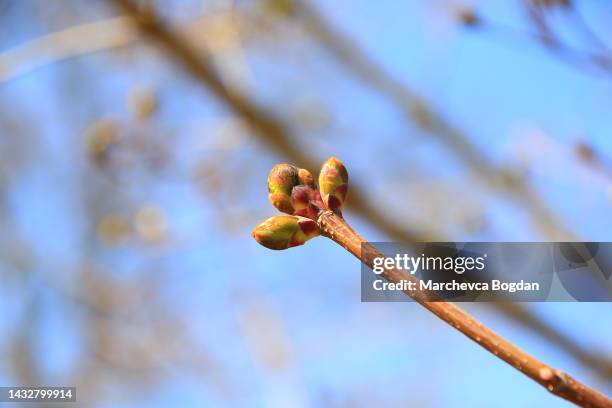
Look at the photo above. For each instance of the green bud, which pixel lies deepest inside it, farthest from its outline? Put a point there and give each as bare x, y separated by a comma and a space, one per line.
281, 180
285, 231
333, 183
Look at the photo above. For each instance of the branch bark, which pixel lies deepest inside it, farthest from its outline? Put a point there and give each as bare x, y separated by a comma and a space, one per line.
557, 382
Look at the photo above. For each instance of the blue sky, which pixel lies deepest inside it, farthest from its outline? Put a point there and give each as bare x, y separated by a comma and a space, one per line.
509, 96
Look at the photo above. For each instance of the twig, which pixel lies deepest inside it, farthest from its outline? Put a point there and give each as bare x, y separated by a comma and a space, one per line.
557, 382
315, 209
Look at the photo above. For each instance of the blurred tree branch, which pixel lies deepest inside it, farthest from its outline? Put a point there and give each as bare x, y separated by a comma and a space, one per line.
89, 38
68, 43
548, 37
598, 60
270, 129
356, 61
275, 133
118, 32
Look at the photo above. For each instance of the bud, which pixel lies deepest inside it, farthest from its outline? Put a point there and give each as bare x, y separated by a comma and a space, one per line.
281, 180
333, 183
285, 231
302, 197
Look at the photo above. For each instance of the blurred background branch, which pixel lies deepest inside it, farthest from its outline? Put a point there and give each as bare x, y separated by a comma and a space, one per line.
433, 123
594, 60
267, 127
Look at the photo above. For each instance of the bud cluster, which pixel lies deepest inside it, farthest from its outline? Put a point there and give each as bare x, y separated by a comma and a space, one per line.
293, 191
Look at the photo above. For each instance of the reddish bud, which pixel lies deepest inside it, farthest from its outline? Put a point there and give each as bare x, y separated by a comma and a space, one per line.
281, 180
302, 198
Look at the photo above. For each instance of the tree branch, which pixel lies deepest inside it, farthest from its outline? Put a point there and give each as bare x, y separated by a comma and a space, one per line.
557, 382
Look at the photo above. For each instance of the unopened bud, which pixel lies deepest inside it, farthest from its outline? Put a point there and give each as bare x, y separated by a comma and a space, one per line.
285, 231
333, 183
302, 198
281, 180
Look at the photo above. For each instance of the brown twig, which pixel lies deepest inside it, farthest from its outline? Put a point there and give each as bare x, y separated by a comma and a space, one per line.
557, 382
